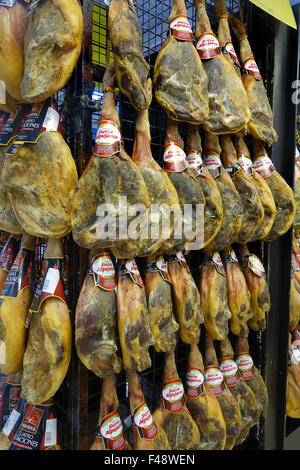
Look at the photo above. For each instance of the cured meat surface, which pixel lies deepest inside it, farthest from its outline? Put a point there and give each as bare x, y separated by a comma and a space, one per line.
130, 66
214, 296
228, 103
109, 176
12, 26
51, 48
229, 406
240, 390
213, 210
48, 352
147, 435
258, 288
188, 189
231, 201
251, 374
261, 120
263, 189
15, 301
41, 179
162, 194
294, 304
252, 208
159, 296
239, 299
203, 404
8, 220
181, 429
96, 319
179, 80
186, 300
108, 415
133, 318
282, 193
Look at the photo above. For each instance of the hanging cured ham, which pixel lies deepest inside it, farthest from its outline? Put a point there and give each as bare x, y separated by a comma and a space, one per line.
229, 406
203, 404
179, 80
162, 194
214, 296
48, 352
255, 275
240, 390
282, 193
110, 176
261, 120
15, 300
239, 299
172, 414
188, 189
186, 299
251, 374
147, 434
263, 189
213, 210
13, 24
40, 174
10, 406
158, 287
133, 317
109, 432
252, 208
52, 47
231, 201
228, 103
96, 317
294, 318
296, 257
130, 66
293, 377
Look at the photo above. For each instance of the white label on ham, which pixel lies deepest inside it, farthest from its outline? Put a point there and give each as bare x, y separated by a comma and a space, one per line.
295, 262
218, 263
229, 370
230, 49
181, 258
181, 28
263, 165
215, 379
233, 256
175, 158
163, 268
173, 393
111, 430
213, 163
104, 271
208, 46
256, 265
2, 92
10, 423
107, 139
245, 162
251, 68
245, 364
51, 432
51, 120
144, 421
194, 382
195, 162
132, 268
51, 281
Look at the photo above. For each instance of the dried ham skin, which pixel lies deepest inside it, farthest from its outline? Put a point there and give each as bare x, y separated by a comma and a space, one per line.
52, 47
130, 66
8, 220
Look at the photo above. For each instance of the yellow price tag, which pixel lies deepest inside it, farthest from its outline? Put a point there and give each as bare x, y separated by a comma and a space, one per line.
280, 9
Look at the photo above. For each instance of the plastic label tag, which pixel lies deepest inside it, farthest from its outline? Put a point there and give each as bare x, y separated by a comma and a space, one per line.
245, 162
245, 365
194, 382
8, 253
215, 379
143, 420
103, 271
110, 430
132, 269
263, 165
250, 66
181, 28
233, 170
208, 46
213, 163
216, 258
108, 139
256, 265
175, 158
173, 396
13, 123
230, 371
195, 162
231, 51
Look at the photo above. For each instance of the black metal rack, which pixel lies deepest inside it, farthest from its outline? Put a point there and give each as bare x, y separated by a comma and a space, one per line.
276, 50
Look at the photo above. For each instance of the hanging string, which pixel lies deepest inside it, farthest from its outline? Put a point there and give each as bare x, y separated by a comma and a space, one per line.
241, 12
